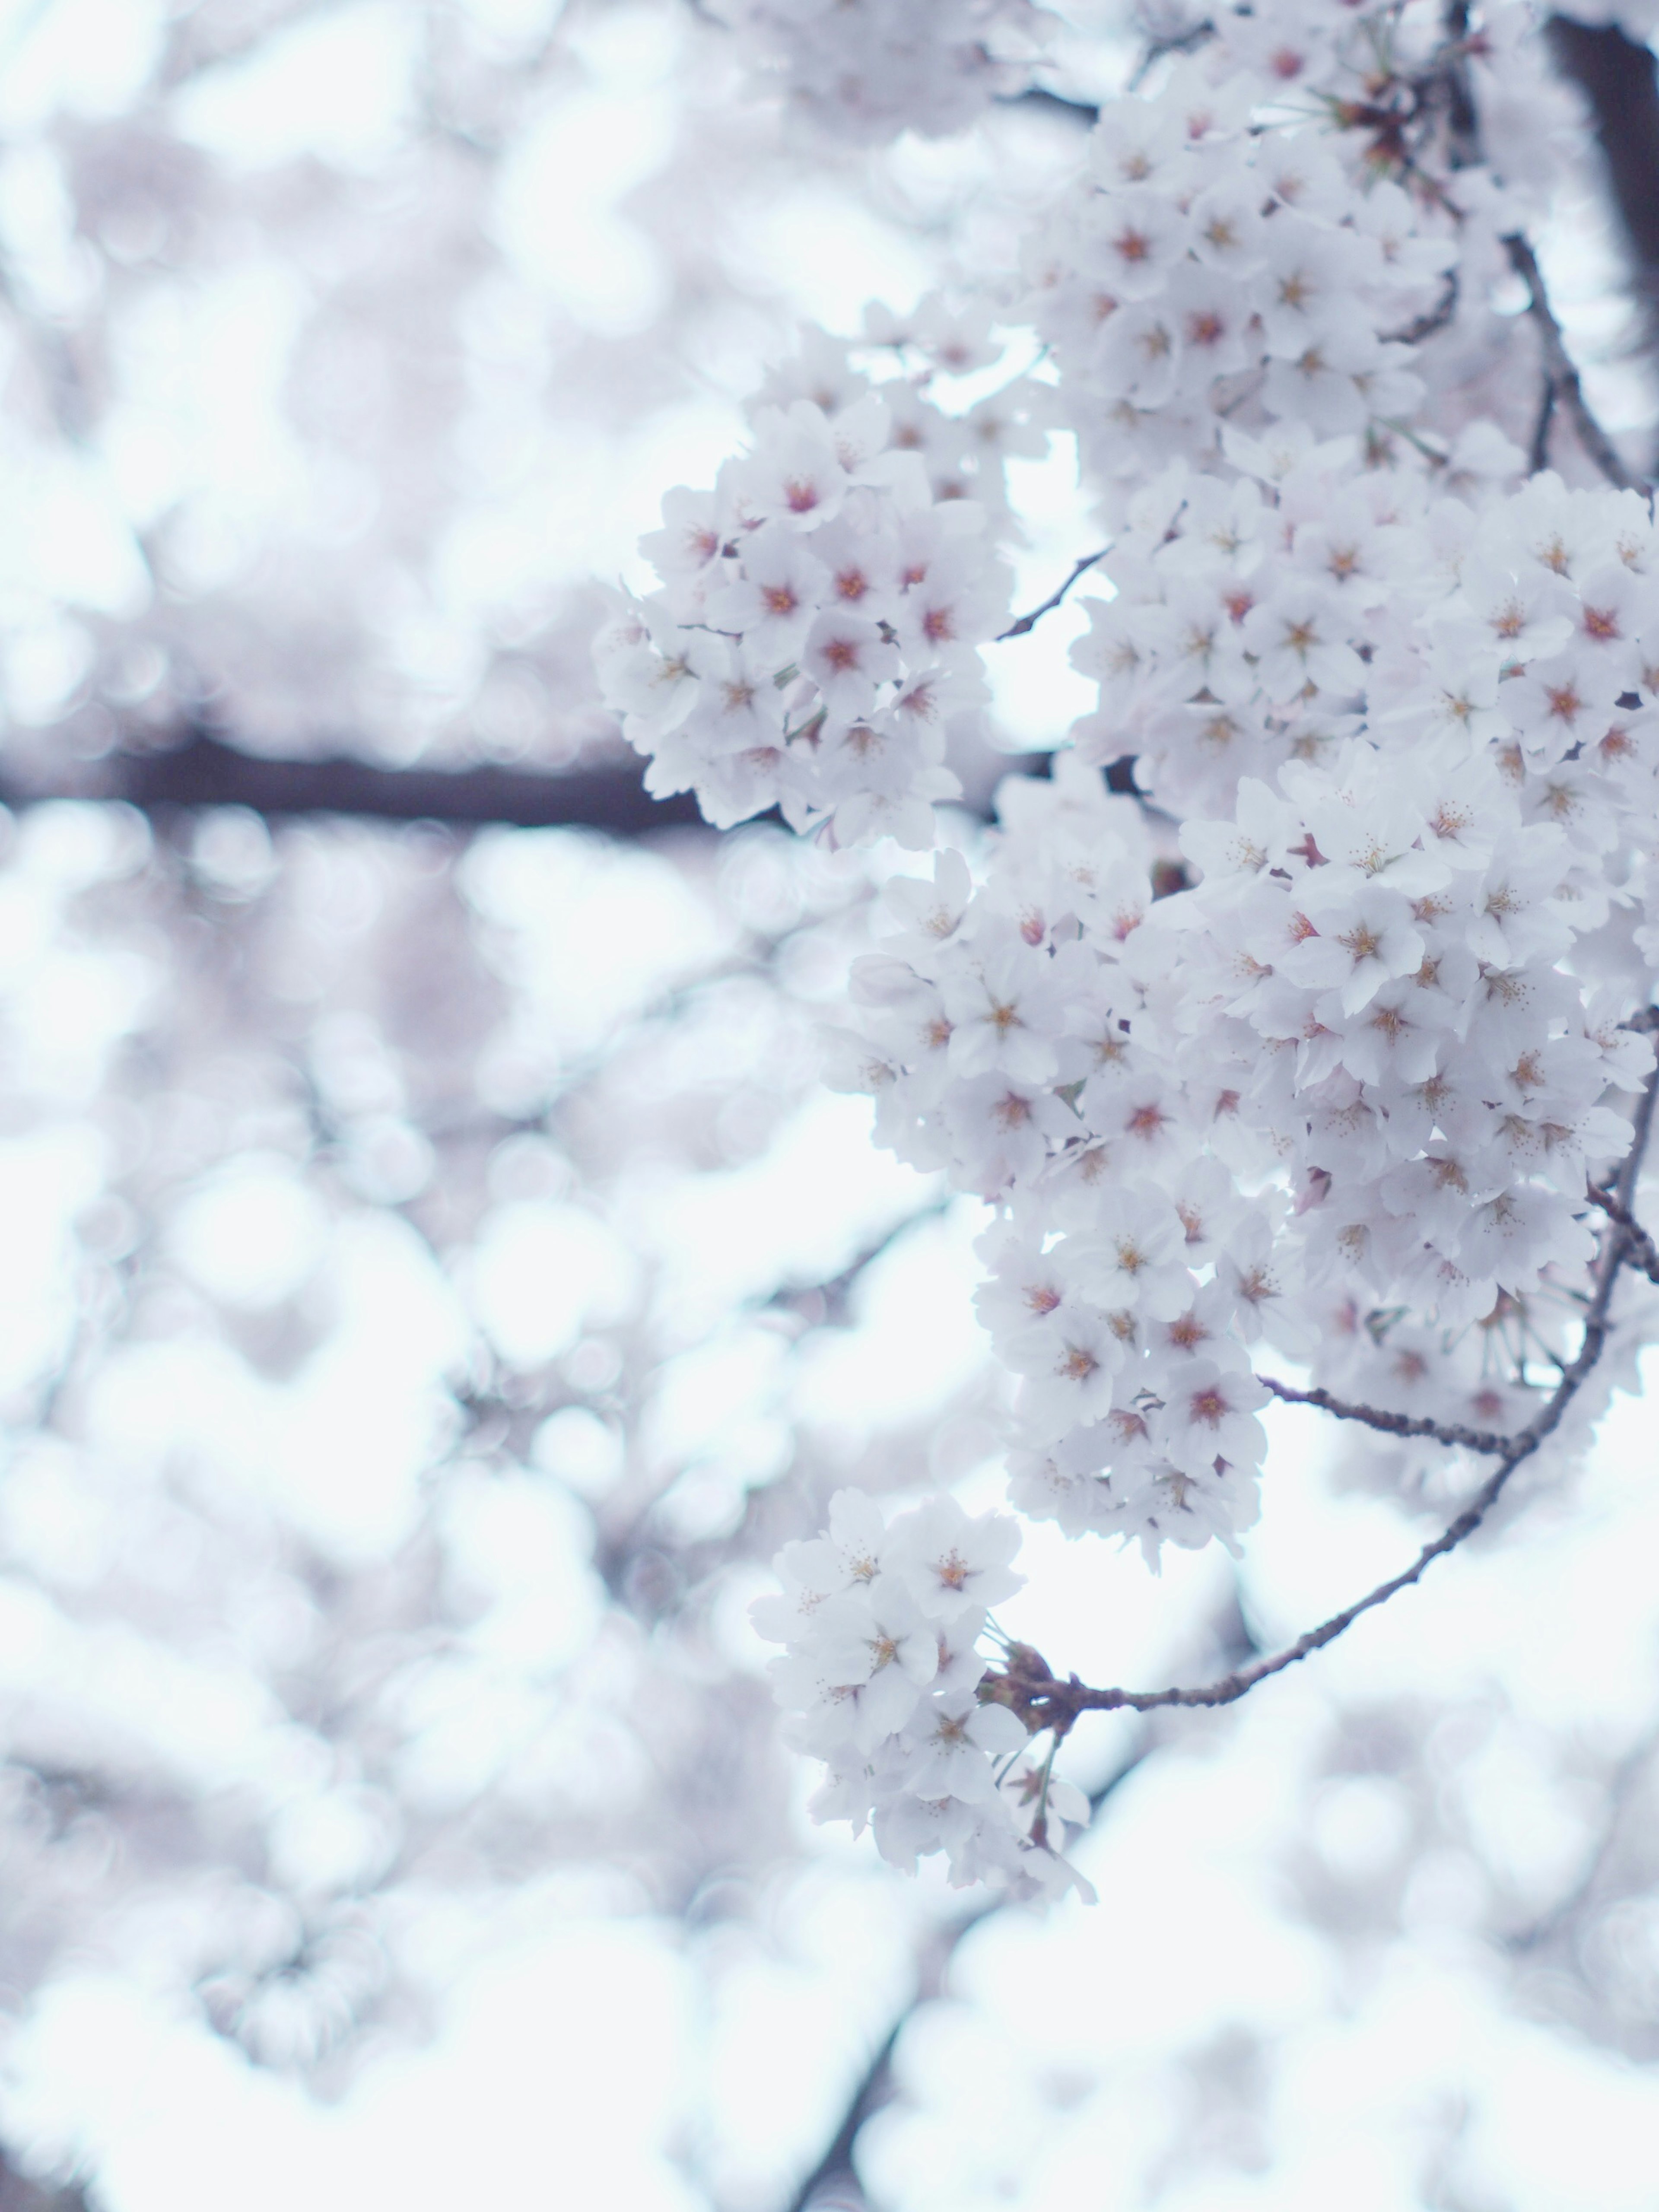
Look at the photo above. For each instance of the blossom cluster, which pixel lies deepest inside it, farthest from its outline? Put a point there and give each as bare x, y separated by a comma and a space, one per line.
815, 638
1291, 227
1316, 1048
1201, 254
881, 1675
1366, 1063
865, 70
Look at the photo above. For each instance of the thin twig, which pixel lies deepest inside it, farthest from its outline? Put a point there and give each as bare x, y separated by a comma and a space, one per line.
1432, 319
1030, 1687
1396, 1425
1559, 369
1029, 622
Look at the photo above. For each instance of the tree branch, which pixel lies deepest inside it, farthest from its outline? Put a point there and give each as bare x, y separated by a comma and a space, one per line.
1617, 75
204, 771
1029, 622
1030, 1687
1562, 375
1644, 1252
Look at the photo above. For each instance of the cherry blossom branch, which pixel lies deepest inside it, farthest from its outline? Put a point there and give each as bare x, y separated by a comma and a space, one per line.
1030, 1688
1029, 622
1561, 373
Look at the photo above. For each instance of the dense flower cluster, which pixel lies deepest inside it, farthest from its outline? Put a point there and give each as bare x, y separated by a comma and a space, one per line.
1201, 254
881, 1621
816, 637
1294, 227
1315, 1047
1365, 1066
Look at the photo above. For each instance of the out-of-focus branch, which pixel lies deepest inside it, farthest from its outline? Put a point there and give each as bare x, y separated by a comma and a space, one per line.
1053, 103
828, 1303
1617, 75
204, 771
1562, 372
1624, 1780
1018, 629
833, 2181
18, 2194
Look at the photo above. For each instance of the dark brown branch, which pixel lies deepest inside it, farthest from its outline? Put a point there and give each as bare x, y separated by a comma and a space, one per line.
1562, 375
204, 771
1029, 622
1030, 1688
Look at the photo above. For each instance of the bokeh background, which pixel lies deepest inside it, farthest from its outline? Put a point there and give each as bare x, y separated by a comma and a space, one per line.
432, 1280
